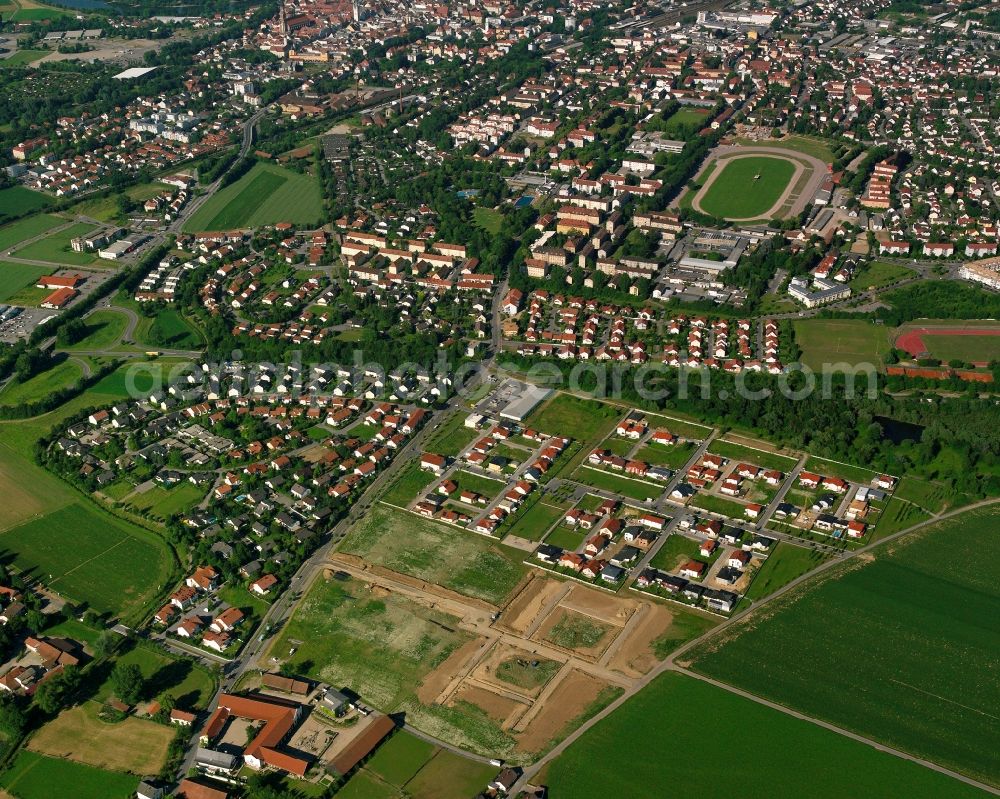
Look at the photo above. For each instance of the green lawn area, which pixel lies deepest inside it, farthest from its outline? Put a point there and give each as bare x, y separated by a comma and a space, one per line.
90, 556
747, 187
673, 456
104, 331
798, 760
28, 228
410, 482
879, 274
18, 199
577, 418
898, 515
267, 194
683, 119
363, 785
452, 437
680, 427
450, 776
55, 248
608, 481
62, 375
901, 649
565, 537
23, 57
190, 685
928, 494
467, 481
536, 521
170, 329
674, 550
717, 504
399, 758
784, 564
462, 561
846, 471
740, 453
33, 776
834, 341
488, 219
16, 277
161, 502
105, 208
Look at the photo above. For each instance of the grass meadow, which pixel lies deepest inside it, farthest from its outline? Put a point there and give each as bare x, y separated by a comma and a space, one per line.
767, 754
267, 194
901, 648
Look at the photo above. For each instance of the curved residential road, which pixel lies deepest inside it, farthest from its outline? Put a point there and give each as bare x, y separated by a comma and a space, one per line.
671, 664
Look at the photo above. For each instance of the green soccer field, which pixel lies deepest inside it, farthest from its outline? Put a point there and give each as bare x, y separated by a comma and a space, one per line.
266, 195
747, 188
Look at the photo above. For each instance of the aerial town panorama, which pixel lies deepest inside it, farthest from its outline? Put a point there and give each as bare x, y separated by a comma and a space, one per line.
499, 398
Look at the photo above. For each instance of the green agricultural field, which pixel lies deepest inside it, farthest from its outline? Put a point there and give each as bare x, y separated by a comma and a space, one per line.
609, 481
55, 248
267, 194
33, 776
747, 188
17, 200
14, 278
90, 556
28, 228
798, 760
62, 375
462, 561
901, 649
834, 341
784, 564
879, 274
577, 418
766, 460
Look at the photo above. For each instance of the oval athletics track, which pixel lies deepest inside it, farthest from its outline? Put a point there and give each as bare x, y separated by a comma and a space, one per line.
801, 189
